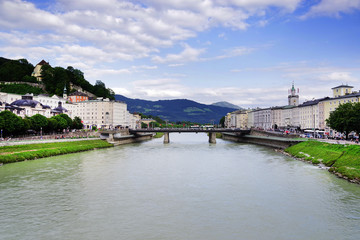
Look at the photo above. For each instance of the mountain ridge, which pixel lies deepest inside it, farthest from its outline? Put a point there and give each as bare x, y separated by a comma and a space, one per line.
176, 110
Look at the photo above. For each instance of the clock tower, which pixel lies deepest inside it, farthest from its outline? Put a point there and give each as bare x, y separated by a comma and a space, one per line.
293, 98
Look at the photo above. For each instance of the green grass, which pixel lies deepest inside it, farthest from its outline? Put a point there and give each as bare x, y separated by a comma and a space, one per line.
10, 154
343, 159
158, 135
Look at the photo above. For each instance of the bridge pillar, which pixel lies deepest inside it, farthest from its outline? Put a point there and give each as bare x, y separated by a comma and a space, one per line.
111, 137
166, 137
212, 137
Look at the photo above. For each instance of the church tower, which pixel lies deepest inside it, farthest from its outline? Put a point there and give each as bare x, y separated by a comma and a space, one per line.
65, 92
293, 98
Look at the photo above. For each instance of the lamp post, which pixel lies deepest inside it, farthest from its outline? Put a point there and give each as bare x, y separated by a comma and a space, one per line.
1, 135
40, 132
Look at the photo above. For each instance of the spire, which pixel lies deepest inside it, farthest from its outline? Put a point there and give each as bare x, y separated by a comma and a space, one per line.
65, 92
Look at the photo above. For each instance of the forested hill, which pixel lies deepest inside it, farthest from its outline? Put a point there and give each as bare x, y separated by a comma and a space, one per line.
177, 110
53, 79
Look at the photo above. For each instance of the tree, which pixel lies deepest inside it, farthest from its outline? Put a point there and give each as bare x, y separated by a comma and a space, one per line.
60, 122
68, 120
38, 122
222, 121
12, 124
77, 124
52, 125
345, 118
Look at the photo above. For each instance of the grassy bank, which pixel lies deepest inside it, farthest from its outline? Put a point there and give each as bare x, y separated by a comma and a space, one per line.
10, 154
342, 160
159, 135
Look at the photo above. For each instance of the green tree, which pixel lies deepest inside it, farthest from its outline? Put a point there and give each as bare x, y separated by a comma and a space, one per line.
60, 122
68, 120
38, 122
222, 122
52, 125
15, 70
344, 119
77, 124
12, 123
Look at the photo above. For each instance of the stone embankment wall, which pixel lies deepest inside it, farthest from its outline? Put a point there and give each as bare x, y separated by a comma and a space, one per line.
255, 132
274, 142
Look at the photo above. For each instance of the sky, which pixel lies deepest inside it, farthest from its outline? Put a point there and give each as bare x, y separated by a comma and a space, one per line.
246, 52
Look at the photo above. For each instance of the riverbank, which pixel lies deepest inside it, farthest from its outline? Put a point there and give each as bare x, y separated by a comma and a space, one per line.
17, 153
341, 160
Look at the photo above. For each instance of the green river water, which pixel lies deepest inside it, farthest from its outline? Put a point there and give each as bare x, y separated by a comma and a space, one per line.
186, 190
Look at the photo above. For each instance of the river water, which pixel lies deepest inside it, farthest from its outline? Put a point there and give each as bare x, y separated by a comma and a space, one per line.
187, 190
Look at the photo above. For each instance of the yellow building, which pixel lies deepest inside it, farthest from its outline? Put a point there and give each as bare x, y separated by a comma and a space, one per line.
37, 70
341, 90
341, 94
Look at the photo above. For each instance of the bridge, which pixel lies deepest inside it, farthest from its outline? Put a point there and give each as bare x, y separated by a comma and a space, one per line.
211, 131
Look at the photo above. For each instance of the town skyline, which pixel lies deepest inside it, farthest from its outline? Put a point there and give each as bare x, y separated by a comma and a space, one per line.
244, 52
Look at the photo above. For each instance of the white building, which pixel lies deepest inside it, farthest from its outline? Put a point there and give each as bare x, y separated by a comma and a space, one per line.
105, 113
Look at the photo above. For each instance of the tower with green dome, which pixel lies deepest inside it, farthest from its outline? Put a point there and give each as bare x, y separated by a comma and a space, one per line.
293, 98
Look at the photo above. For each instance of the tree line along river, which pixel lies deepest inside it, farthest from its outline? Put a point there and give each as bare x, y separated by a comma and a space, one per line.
188, 189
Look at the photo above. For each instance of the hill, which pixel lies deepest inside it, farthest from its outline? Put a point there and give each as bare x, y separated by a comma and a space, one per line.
15, 77
177, 110
227, 105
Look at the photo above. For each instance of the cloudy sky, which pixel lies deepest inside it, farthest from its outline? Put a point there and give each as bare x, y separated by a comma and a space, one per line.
247, 52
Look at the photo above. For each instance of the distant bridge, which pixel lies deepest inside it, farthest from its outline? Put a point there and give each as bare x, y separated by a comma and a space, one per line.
211, 131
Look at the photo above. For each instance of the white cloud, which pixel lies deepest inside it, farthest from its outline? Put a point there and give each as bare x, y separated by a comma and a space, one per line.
343, 77
189, 54
333, 8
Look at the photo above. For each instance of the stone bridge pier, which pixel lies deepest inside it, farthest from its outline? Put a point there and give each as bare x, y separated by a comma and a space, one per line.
166, 137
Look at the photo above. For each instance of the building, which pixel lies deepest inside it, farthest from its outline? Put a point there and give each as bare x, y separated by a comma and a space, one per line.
341, 90
104, 113
237, 119
38, 69
293, 98
26, 106
78, 97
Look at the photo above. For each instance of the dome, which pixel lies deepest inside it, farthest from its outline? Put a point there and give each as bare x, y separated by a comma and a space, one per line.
27, 103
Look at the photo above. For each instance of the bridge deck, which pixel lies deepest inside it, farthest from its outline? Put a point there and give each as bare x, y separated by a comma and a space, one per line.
190, 130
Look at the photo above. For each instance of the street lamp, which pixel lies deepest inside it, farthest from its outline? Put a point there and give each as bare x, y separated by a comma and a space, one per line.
1, 135
40, 132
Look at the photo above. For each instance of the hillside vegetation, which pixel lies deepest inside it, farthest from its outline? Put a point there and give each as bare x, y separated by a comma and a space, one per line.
342, 160
177, 110
53, 78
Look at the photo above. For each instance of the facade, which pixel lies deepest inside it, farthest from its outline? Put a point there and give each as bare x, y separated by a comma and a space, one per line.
37, 70
105, 113
78, 97
29, 107
341, 90
237, 119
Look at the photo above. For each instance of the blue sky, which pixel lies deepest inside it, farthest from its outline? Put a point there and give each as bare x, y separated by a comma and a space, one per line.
247, 52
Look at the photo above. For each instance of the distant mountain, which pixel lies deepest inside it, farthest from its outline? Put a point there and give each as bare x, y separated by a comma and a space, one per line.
227, 105
177, 110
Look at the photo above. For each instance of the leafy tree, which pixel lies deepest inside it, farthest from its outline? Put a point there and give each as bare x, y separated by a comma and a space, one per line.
38, 122
52, 125
61, 123
12, 124
222, 121
345, 118
77, 124
20, 89
68, 120
27, 123
15, 70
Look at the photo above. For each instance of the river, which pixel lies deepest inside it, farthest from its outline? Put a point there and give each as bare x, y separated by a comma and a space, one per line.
186, 190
